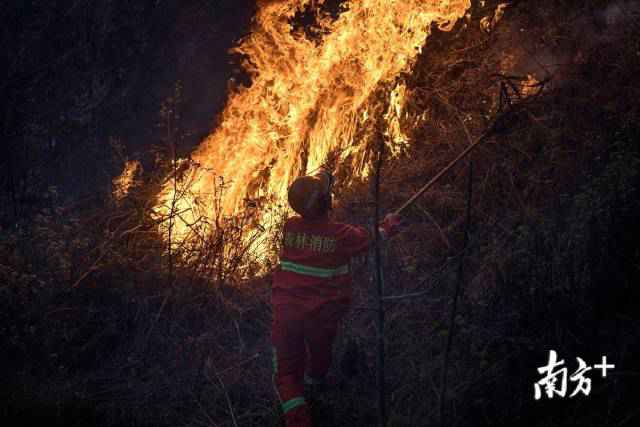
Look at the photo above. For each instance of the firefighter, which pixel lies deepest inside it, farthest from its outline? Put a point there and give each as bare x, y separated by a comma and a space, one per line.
311, 290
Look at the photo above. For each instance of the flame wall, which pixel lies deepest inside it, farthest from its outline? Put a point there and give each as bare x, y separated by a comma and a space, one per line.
308, 97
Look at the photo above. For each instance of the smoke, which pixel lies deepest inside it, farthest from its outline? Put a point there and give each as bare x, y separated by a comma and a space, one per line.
589, 30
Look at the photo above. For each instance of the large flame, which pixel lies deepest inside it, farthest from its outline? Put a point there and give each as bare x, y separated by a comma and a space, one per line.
308, 97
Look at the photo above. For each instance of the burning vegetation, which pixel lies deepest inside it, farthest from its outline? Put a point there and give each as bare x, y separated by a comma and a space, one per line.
316, 93
148, 304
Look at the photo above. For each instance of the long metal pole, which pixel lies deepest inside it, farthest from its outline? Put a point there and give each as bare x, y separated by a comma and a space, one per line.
439, 175
456, 296
382, 404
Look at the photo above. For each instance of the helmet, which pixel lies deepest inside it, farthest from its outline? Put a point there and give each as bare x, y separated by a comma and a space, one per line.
310, 196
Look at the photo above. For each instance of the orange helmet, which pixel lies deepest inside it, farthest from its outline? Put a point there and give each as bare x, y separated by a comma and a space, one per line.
310, 196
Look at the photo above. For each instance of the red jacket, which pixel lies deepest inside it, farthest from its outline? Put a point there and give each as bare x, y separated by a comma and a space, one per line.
314, 262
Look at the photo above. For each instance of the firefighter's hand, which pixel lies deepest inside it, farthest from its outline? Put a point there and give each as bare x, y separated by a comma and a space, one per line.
391, 225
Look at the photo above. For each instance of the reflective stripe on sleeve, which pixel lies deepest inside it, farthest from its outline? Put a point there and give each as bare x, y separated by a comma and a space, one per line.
324, 273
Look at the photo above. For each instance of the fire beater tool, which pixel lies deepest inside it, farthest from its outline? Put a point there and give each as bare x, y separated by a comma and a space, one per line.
454, 162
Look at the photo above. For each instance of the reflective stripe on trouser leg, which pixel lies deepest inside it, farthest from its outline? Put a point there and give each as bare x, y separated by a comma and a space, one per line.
274, 364
287, 338
292, 403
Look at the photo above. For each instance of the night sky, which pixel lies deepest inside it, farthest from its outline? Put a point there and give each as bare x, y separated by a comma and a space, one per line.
190, 45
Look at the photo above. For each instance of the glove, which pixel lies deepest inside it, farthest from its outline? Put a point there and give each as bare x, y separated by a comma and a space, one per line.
390, 225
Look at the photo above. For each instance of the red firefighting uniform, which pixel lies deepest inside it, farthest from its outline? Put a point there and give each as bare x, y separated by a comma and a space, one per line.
311, 292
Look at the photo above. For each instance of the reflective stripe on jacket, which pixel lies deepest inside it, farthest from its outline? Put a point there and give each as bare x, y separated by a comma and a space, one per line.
314, 261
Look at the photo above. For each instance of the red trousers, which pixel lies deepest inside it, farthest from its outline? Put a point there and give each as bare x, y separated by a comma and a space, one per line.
302, 343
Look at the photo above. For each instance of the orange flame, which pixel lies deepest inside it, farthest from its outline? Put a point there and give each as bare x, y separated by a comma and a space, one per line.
307, 98
126, 180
